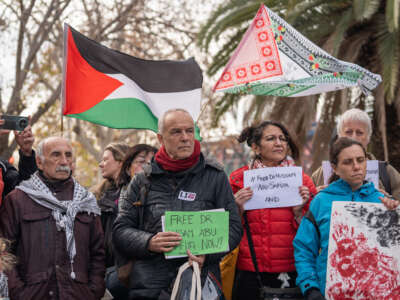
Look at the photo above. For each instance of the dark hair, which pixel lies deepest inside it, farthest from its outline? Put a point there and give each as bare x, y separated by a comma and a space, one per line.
337, 148
124, 174
253, 135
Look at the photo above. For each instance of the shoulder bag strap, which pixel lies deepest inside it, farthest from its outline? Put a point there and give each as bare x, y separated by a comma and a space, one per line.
252, 251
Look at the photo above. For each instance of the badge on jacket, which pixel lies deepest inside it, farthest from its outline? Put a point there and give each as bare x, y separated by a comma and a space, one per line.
186, 196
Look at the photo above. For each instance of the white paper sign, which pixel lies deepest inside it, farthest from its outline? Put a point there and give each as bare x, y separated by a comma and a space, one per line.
364, 252
273, 187
371, 176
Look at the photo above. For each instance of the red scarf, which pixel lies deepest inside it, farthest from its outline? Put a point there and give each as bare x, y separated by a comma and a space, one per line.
177, 165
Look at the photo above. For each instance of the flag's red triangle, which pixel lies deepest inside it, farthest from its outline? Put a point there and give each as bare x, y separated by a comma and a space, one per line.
84, 86
256, 57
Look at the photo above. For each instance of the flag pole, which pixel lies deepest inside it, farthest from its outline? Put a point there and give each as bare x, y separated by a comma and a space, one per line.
62, 126
202, 110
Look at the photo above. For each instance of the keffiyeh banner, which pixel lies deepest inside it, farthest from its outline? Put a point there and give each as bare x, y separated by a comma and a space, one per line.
274, 59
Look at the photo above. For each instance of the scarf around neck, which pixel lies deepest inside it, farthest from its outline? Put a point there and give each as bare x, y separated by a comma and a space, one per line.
177, 165
287, 162
63, 212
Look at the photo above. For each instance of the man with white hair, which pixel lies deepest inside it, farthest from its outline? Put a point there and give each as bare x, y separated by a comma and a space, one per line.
356, 124
178, 169
54, 225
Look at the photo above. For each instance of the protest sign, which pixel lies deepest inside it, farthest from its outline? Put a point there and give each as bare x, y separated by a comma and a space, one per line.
203, 232
273, 187
371, 176
364, 252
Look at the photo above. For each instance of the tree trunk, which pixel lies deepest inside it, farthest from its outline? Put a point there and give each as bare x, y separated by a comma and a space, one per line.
393, 137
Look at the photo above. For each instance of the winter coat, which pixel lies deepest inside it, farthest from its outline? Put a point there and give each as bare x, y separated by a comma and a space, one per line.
272, 231
43, 269
310, 251
151, 271
108, 204
394, 178
11, 177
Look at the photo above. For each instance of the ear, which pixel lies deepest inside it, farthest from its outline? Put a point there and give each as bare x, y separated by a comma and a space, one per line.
334, 168
39, 162
160, 139
255, 148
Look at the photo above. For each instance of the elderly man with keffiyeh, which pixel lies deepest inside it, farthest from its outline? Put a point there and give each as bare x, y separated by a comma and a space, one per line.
55, 230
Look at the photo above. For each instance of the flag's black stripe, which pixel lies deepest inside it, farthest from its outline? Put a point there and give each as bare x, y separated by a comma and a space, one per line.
164, 76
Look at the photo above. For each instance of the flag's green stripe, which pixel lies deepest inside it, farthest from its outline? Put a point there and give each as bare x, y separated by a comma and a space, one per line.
124, 113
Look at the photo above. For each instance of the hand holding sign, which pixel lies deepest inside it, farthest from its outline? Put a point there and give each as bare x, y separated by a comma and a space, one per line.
274, 187
164, 242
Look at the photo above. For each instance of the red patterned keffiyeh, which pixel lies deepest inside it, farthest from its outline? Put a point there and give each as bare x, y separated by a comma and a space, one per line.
287, 162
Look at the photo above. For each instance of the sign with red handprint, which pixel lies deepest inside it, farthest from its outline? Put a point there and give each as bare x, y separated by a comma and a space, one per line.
364, 252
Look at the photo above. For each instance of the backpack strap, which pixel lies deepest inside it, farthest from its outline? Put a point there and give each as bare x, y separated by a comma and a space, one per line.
311, 218
384, 176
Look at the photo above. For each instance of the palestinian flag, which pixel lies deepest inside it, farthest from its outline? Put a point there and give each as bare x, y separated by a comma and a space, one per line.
275, 59
113, 89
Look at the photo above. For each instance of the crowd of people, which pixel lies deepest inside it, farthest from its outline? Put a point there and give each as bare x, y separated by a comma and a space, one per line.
61, 241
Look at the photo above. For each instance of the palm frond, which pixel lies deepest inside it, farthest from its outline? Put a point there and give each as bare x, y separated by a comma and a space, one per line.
364, 9
389, 53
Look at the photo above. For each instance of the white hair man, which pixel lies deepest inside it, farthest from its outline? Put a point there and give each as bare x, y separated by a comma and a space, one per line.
179, 166
55, 228
356, 124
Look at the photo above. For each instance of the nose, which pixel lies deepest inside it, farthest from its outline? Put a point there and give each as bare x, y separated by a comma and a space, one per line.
63, 159
357, 165
101, 164
184, 136
278, 141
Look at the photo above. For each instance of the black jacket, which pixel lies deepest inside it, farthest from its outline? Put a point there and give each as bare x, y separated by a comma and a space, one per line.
151, 271
109, 211
12, 177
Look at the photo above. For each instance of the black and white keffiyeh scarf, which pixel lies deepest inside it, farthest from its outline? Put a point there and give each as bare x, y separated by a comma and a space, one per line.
63, 212
3, 286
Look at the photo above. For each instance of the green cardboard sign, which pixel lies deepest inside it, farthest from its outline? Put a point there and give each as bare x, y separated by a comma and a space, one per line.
203, 232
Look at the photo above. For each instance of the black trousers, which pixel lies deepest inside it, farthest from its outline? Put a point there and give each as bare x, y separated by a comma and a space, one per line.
246, 286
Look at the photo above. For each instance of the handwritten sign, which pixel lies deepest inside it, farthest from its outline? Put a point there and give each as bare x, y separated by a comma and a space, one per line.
273, 187
371, 176
203, 232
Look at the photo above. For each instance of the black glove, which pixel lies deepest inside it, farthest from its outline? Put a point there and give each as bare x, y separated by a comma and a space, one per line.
314, 294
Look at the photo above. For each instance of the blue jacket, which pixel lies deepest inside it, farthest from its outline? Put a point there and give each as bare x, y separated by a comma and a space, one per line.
310, 250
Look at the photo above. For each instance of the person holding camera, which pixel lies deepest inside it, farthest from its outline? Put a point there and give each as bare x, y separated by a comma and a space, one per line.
27, 162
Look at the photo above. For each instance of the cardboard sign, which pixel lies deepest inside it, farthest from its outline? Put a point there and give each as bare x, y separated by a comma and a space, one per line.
371, 176
364, 252
203, 232
273, 187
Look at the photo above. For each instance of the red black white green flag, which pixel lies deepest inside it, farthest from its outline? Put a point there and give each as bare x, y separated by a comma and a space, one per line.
113, 89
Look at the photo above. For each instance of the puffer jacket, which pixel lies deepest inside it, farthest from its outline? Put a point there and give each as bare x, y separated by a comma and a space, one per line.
272, 231
151, 272
310, 250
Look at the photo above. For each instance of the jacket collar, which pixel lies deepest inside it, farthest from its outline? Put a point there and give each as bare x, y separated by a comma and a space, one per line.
341, 187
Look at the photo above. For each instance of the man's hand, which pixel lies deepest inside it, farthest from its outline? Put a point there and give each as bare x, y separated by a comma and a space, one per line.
199, 258
3, 131
164, 242
25, 139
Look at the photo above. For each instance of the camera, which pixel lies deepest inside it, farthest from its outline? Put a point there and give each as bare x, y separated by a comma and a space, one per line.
14, 122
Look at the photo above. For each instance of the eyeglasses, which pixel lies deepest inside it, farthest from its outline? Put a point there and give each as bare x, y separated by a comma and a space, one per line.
273, 139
